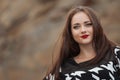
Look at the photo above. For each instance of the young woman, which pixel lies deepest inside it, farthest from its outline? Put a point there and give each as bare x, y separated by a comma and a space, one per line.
85, 53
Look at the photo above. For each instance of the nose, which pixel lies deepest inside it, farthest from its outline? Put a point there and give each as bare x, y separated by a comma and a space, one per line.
83, 30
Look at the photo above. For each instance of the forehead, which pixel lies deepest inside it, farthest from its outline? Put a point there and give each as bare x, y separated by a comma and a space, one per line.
80, 17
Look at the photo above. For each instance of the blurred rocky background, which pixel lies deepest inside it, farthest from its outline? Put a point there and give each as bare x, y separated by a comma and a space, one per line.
30, 28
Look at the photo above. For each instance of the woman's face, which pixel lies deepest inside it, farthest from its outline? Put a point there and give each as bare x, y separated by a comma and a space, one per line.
82, 28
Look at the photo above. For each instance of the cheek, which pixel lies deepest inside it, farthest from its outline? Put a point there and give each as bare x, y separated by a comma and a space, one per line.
92, 31
75, 35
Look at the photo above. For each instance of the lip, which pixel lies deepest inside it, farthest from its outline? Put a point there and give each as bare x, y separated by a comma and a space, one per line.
84, 36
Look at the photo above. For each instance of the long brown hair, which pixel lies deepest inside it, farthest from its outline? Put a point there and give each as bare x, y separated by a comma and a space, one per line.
69, 48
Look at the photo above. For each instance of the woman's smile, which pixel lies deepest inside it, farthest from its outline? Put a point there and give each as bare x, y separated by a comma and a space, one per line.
82, 28
84, 36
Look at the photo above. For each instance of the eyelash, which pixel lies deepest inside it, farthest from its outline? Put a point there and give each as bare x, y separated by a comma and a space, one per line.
76, 27
87, 25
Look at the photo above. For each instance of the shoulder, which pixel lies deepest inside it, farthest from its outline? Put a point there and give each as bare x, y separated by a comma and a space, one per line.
68, 66
67, 62
117, 54
117, 51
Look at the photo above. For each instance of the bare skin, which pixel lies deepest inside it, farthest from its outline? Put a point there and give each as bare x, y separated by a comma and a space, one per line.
82, 31
87, 53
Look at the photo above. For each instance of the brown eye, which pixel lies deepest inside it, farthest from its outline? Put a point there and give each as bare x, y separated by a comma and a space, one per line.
89, 24
76, 27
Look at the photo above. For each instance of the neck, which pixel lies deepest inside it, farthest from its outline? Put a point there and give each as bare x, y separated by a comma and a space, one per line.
87, 51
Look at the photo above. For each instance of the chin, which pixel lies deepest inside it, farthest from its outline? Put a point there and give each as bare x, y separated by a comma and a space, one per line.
85, 42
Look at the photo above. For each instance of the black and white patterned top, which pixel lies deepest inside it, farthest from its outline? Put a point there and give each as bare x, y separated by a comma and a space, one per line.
107, 69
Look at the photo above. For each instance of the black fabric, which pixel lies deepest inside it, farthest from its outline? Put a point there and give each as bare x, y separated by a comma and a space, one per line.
107, 69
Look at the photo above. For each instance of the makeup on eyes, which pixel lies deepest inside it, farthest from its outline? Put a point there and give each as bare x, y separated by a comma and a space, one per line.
77, 25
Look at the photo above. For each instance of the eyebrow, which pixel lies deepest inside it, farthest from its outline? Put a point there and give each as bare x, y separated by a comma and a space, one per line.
76, 24
87, 21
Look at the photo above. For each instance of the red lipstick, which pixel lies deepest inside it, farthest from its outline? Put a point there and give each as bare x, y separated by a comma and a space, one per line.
84, 36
